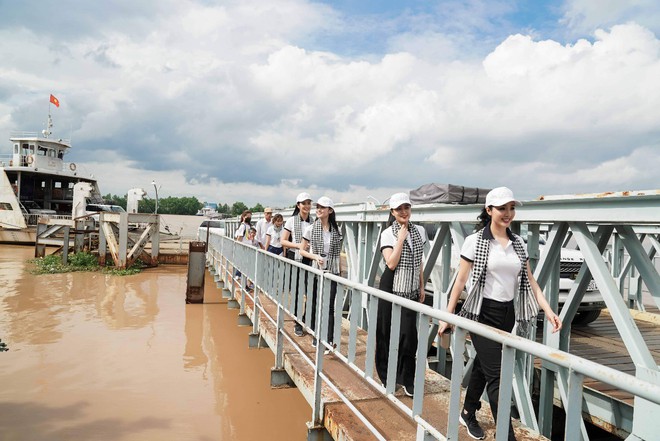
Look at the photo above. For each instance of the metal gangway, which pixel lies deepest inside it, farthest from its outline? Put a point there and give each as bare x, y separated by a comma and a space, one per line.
618, 236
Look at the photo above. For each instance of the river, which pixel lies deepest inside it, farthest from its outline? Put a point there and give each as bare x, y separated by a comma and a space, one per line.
123, 358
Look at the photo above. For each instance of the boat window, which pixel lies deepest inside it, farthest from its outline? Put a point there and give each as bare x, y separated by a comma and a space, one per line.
16, 146
26, 150
51, 153
57, 184
60, 154
31, 149
6, 206
41, 151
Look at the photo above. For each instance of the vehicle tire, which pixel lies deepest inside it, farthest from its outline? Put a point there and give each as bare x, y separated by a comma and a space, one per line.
586, 317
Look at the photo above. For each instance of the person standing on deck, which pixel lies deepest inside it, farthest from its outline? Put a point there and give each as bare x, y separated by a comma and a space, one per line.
274, 234
242, 234
292, 240
502, 292
244, 228
402, 246
322, 245
262, 227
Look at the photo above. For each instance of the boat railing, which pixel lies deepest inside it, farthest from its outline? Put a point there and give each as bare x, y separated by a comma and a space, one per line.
21, 134
5, 159
33, 219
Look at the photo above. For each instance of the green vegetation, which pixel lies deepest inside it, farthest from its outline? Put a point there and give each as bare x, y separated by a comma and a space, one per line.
52, 264
183, 205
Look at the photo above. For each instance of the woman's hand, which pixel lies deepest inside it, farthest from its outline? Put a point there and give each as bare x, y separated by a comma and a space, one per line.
554, 320
403, 233
319, 260
422, 295
442, 327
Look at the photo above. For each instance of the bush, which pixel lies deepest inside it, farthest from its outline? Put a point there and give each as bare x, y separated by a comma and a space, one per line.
52, 264
83, 260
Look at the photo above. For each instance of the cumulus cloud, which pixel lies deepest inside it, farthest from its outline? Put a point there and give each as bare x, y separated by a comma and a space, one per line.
585, 16
226, 101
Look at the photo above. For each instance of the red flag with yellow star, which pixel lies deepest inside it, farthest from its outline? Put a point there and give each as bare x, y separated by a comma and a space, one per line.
54, 100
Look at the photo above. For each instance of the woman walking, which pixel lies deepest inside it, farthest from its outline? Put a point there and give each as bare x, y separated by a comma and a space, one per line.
402, 246
322, 245
291, 239
502, 292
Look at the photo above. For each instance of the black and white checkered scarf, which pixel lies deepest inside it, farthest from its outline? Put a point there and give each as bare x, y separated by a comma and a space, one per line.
406, 274
297, 235
524, 302
332, 259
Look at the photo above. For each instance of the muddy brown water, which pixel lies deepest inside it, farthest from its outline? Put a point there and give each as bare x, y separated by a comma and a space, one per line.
101, 357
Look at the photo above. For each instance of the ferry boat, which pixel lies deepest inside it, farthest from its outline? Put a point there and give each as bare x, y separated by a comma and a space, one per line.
36, 180
210, 209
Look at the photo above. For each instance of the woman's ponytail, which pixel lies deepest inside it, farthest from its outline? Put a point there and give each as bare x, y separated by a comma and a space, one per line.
483, 218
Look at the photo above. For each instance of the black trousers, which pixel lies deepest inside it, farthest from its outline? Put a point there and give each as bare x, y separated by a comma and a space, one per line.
294, 279
331, 311
405, 370
488, 361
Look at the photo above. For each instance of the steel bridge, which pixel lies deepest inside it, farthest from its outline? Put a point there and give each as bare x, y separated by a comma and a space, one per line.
619, 238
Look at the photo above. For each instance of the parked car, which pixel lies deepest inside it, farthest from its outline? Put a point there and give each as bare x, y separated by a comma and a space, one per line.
213, 225
592, 301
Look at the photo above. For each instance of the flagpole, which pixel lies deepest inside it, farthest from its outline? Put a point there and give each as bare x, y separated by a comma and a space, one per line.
49, 123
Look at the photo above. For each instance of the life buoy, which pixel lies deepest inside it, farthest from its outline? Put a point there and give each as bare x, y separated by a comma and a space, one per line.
29, 159
72, 166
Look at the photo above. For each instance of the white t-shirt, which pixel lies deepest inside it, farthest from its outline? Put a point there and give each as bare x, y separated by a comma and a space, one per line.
252, 243
262, 230
288, 226
242, 232
387, 239
275, 236
502, 271
327, 237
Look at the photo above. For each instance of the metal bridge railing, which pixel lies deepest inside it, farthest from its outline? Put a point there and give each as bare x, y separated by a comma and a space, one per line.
278, 278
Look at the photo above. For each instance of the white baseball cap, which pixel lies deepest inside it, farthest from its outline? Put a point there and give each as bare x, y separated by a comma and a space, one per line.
398, 199
500, 196
325, 201
303, 197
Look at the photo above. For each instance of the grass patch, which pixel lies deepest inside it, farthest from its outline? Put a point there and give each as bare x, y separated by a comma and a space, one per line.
52, 264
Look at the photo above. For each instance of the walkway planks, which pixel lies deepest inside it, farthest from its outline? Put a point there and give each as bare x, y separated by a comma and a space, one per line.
601, 342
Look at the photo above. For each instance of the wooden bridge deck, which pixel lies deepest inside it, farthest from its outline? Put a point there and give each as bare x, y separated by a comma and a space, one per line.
600, 342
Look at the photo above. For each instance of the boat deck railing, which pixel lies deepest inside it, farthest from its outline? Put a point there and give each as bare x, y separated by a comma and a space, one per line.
33, 219
38, 135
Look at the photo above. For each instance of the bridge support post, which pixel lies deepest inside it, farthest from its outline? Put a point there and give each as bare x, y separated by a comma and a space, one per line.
233, 304
317, 432
195, 280
646, 412
244, 320
280, 379
256, 341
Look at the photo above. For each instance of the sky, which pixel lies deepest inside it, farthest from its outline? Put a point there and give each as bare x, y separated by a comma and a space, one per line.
258, 100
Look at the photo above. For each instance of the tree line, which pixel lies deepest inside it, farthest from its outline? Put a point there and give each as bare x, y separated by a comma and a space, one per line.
180, 205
